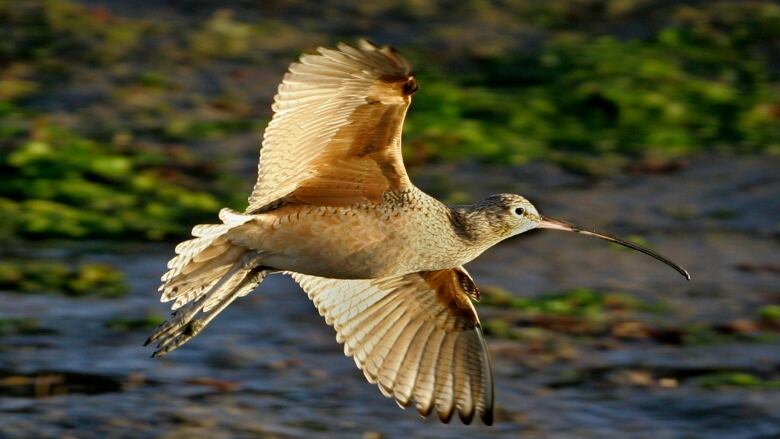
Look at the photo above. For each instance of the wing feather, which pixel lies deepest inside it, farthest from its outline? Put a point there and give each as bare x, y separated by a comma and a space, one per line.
407, 373
445, 386
376, 360
335, 137
424, 389
395, 353
367, 341
463, 397
416, 336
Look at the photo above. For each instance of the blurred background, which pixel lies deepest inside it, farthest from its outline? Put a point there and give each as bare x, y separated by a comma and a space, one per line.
125, 123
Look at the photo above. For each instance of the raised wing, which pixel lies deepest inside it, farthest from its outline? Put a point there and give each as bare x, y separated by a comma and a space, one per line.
417, 336
335, 137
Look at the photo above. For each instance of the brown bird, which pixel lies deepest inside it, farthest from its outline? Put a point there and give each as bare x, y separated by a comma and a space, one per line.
381, 260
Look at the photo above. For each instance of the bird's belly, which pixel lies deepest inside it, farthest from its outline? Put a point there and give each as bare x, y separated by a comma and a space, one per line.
344, 243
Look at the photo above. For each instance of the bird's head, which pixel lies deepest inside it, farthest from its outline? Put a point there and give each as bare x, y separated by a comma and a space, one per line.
502, 216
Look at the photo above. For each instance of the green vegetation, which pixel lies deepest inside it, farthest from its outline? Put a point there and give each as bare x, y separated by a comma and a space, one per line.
770, 314
45, 31
576, 302
192, 130
20, 326
577, 311
95, 109
134, 323
95, 280
677, 93
737, 379
60, 185
703, 81
582, 311
500, 329
697, 335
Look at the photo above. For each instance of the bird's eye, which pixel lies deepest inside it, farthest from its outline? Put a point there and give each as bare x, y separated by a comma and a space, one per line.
519, 211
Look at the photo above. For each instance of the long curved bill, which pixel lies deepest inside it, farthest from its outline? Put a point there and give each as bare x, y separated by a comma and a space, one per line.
555, 224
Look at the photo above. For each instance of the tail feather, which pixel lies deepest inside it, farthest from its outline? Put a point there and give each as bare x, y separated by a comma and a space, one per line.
205, 276
202, 230
189, 320
186, 250
232, 285
208, 239
210, 252
201, 261
187, 286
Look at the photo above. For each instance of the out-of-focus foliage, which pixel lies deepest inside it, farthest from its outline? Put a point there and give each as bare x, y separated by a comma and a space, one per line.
58, 184
703, 82
770, 314
113, 125
586, 312
143, 323
47, 31
736, 379
20, 325
577, 311
26, 276
576, 302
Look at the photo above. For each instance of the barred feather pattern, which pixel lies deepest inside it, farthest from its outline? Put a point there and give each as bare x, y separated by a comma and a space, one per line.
414, 347
189, 320
337, 123
206, 275
200, 262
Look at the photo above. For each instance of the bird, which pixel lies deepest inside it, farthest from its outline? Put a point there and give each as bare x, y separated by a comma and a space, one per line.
381, 260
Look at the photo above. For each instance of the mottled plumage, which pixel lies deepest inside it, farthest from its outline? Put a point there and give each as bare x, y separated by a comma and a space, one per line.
381, 260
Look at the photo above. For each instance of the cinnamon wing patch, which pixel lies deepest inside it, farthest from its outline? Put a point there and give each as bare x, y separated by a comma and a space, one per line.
453, 288
335, 137
360, 163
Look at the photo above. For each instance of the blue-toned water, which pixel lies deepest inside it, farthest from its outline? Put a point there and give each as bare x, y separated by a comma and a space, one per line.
270, 367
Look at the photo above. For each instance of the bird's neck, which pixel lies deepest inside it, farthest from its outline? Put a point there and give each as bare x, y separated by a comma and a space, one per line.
472, 227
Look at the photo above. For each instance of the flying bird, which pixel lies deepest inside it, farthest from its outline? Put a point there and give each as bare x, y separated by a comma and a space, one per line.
382, 260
